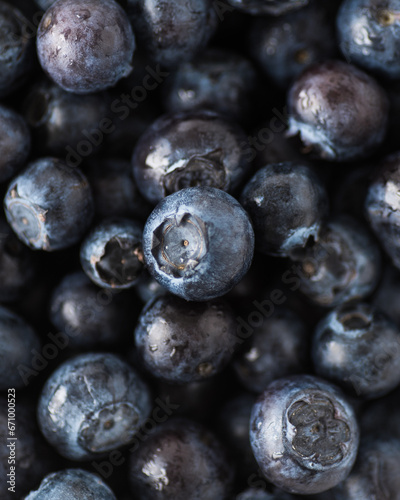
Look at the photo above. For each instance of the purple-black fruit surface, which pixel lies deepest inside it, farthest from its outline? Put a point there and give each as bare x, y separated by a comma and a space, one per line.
387, 295
270, 7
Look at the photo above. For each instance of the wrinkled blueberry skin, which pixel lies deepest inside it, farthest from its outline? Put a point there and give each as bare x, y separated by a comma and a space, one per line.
376, 473
217, 79
72, 483
92, 404
387, 296
17, 340
369, 35
277, 348
287, 203
15, 143
304, 434
285, 46
338, 110
190, 149
49, 205
111, 254
271, 7
182, 342
167, 465
198, 243
16, 49
59, 119
358, 348
85, 46
89, 316
172, 32
382, 206
343, 264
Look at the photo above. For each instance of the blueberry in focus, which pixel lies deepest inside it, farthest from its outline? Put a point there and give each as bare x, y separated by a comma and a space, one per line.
72, 483
198, 243
358, 348
184, 342
338, 110
92, 404
287, 203
49, 205
271, 7
180, 460
189, 149
85, 45
111, 255
304, 434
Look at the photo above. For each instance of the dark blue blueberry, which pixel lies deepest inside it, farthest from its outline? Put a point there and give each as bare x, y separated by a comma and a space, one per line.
180, 460
338, 111
17, 343
92, 404
387, 296
341, 265
72, 483
358, 348
182, 341
260, 494
147, 288
89, 316
285, 46
49, 205
369, 35
272, 7
380, 417
287, 203
172, 31
217, 79
45, 4
198, 243
186, 150
277, 348
85, 45
111, 255
304, 434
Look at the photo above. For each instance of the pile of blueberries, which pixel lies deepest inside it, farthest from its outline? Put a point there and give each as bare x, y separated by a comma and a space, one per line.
200, 249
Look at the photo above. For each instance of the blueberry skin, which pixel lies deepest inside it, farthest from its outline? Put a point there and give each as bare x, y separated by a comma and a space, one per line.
89, 316
92, 404
217, 79
72, 483
183, 150
147, 288
85, 45
49, 205
212, 243
342, 265
171, 31
369, 35
287, 203
358, 348
257, 494
180, 460
277, 348
182, 342
338, 110
304, 434
111, 255
45, 4
270, 7
387, 295
15, 143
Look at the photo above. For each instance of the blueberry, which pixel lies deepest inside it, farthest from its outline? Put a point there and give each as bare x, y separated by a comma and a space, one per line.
341, 265
85, 45
198, 243
217, 79
172, 31
338, 110
15, 143
147, 288
49, 205
92, 404
369, 35
287, 203
183, 342
277, 348
272, 7
72, 483
380, 417
358, 348
111, 255
186, 150
180, 460
259, 494
387, 296
304, 434
45, 4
